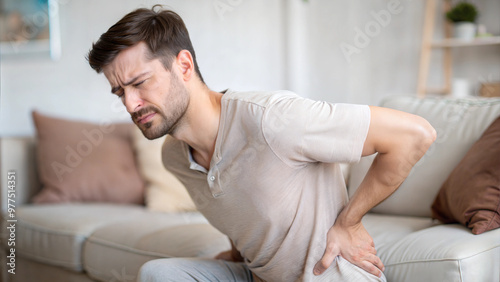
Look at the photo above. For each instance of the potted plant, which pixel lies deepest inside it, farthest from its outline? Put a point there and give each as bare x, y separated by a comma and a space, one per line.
463, 15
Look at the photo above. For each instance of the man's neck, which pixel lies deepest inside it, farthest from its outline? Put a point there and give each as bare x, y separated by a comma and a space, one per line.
201, 124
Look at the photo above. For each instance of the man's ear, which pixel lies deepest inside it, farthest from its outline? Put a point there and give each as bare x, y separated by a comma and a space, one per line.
185, 64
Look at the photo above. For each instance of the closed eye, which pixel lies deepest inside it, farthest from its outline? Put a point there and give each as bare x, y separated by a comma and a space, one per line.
139, 83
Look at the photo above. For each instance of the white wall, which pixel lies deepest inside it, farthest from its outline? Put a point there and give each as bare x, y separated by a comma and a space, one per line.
246, 38
388, 64
258, 44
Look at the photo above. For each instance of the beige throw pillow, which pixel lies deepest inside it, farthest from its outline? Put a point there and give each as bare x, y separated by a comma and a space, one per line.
164, 192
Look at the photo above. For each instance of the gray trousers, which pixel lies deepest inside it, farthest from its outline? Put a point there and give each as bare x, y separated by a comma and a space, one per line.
208, 270
193, 269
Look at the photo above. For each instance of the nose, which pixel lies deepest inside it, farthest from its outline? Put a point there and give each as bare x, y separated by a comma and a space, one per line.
132, 100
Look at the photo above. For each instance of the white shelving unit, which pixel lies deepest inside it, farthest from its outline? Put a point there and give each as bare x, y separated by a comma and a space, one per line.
452, 42
445, 45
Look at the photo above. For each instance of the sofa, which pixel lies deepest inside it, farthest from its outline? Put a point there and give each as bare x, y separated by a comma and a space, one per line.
93, 241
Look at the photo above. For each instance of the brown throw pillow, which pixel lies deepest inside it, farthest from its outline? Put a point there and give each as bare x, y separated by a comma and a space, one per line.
84, 162
471, 194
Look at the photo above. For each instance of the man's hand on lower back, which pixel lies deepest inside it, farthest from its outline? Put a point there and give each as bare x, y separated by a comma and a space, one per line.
352, 243
400, 139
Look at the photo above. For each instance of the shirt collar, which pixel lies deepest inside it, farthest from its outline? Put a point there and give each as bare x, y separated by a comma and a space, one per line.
193, 164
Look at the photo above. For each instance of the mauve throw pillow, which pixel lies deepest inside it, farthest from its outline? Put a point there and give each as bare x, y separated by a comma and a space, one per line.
471, 194
84, 162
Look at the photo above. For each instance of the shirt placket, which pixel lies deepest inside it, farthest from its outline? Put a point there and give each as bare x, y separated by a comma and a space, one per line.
213, 180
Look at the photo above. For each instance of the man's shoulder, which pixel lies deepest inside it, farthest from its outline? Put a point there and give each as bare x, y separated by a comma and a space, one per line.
173, 151
259, 98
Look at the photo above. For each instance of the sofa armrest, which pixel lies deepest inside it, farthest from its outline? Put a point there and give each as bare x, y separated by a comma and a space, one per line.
18, 154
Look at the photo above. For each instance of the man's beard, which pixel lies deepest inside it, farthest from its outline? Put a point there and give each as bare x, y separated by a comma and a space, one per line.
163, 124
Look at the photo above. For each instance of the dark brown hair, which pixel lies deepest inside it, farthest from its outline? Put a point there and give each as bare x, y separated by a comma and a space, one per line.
163, 31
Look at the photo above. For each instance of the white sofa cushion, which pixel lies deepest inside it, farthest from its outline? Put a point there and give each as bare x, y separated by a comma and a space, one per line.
459, 123
119, 250
386, 229
415, 249
54, 234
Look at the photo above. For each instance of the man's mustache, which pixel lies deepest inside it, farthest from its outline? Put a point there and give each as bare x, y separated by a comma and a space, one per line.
142, 112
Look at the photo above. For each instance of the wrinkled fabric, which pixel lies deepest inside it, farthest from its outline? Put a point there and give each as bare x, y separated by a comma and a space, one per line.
274, 185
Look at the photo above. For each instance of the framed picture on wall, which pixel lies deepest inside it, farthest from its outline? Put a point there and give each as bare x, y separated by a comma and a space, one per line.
29, 26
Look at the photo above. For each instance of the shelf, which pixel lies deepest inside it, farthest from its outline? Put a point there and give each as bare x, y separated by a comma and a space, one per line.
443, 46
440, 91
452, 42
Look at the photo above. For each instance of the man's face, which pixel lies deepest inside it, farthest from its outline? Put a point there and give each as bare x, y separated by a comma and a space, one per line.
156, 98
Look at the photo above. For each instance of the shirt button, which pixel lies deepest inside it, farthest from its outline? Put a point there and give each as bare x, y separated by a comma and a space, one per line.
212, 178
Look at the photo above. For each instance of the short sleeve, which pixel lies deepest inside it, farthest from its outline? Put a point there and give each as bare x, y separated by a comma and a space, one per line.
300, 130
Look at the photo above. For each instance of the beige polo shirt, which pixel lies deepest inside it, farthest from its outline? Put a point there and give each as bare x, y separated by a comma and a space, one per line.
274, 186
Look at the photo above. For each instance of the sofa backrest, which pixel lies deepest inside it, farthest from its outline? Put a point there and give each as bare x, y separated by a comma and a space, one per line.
18, 154
459, 123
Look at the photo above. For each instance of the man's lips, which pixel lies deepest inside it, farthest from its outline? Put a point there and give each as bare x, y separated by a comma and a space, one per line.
145, 118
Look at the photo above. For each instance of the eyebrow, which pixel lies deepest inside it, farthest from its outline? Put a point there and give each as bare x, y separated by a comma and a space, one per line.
133, 80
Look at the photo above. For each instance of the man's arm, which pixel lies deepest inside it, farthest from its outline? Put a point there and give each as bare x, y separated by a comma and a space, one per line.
400, 139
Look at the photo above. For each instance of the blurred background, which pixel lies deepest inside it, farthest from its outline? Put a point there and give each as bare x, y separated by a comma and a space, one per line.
353, 51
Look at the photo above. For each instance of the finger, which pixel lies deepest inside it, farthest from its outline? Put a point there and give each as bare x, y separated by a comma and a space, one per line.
378, 263
370, 268
325, 261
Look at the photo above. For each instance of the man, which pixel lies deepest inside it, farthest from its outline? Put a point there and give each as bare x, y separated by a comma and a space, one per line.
262, 167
